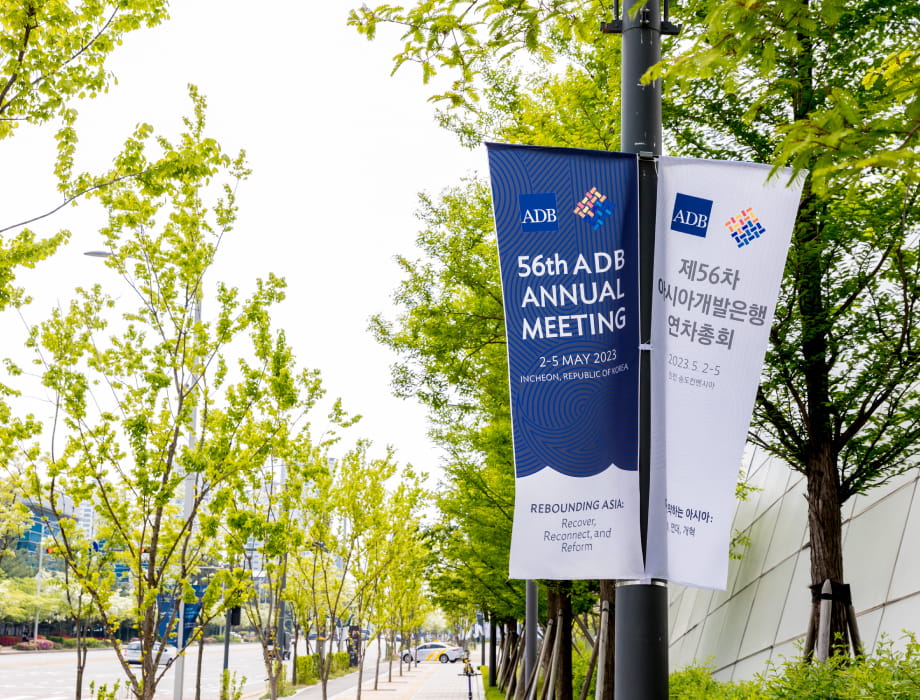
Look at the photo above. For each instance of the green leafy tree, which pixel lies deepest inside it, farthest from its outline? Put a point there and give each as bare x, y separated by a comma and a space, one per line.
388, 519
812, 85
78, 605
264, 525
151, 408
408, 605
402, 581
53, 54
24, 599
450, 336
349, 522
14, 602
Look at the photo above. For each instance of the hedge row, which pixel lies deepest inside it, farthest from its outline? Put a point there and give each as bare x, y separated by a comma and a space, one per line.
39, 645
308, 666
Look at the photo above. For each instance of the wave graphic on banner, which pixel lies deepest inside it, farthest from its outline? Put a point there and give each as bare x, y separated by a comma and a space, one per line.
561, 431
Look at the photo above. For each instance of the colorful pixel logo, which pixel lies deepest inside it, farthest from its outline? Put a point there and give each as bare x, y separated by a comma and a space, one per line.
745, 227
593, 208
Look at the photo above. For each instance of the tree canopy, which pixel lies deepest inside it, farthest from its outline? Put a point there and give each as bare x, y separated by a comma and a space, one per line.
53, 54
451, 338
827, 87
163, 401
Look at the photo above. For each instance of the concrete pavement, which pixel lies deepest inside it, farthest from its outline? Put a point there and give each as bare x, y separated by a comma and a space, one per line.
428, 681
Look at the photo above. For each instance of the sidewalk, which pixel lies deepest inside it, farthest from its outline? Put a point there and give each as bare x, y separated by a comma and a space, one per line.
429, 681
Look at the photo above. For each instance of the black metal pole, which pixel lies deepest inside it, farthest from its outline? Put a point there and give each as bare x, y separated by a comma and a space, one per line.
641, 621
227, 640
530, 628
492, 638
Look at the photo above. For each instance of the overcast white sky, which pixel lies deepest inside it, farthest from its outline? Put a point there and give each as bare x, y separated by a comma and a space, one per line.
339, 150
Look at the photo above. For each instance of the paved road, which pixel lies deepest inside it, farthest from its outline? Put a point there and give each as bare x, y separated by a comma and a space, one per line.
51, 675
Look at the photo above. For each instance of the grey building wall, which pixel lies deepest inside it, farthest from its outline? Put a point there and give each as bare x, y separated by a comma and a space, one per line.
763, 614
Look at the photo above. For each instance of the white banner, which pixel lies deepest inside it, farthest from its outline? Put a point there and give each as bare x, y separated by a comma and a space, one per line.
567, 528
722, 235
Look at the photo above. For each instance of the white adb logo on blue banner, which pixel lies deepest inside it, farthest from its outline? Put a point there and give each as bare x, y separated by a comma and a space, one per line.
538, 212
691, 215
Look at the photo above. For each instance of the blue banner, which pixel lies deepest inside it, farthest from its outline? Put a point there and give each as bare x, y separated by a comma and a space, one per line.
167, 613
567, 226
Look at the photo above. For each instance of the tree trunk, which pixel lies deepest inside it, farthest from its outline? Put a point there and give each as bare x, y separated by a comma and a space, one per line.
81, 656
819, 456
549, 643
826, 535
361, 652
605, 640
198, 667
377, 663
294, 655
509, 649
564, 639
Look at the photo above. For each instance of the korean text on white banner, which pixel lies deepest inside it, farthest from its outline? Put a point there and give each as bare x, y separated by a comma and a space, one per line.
567, 225
721, 239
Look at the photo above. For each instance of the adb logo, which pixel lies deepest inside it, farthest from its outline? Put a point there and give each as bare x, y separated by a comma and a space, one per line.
538, 212
691, 215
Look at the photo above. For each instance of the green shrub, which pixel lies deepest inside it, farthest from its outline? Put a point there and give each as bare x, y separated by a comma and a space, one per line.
308, 666
888, 674
93, 643
231, 687
696, 683
340, 662
885, 675
307, 669
102, 692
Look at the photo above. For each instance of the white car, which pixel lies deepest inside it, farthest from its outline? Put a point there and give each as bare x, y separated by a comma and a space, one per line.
433, 651
133, 652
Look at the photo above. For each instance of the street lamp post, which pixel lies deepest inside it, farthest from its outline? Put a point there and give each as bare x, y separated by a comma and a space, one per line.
187, 504
38, 580
227, 624
641, 648
188, 500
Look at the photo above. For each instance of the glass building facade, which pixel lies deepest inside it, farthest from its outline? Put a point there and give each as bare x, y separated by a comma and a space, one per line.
764, 613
